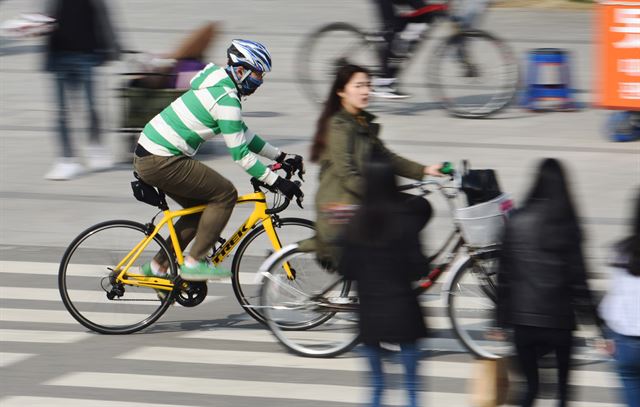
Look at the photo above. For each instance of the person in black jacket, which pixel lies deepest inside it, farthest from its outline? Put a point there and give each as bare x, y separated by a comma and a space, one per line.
382, 253
82, 39
542, 279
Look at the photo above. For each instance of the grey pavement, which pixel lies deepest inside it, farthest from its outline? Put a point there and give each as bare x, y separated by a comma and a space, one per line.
39, 218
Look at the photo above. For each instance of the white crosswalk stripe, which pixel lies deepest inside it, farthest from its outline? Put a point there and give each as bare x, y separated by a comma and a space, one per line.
28, 335
9, 358
457, 370
266, 389
22, 401
32, 319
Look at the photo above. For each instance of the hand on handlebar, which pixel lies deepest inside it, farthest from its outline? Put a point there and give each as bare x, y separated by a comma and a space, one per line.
294, 162
433, 170
289, 189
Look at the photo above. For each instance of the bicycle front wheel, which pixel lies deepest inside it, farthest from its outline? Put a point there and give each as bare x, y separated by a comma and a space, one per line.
87, 279
326, 50
472, 307
253, 250
313, 315
473, 74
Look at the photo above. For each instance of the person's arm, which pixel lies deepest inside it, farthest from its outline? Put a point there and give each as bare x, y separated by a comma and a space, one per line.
106, 30
229, 120
402, 166
583, 299
259, 146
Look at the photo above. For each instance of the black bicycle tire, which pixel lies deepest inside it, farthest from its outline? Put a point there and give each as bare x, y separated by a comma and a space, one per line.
306, 49
471, 347
242, 247
274, 327
435, 85
77, 315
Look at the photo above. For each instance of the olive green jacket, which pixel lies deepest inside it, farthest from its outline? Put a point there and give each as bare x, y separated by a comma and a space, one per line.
350, 142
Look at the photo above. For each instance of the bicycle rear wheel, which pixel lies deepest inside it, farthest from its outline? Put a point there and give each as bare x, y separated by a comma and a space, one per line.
253, 250
86, 279
314, 316
326, 50
473, 74
472, 307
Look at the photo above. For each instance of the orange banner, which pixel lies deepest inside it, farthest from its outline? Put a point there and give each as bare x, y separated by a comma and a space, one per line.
618, 56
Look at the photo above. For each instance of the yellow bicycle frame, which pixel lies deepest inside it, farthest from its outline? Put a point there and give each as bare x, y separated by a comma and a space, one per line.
259, 215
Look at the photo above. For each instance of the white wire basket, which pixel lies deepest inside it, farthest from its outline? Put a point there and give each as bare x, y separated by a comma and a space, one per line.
482, 224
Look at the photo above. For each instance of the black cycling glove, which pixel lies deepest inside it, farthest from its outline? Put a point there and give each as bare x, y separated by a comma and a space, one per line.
295, 161
288, 188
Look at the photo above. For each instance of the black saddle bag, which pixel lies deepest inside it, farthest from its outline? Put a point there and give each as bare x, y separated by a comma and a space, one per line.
146, 193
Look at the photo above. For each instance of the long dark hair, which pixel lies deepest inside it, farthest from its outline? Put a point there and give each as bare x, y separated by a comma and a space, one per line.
551, 190
374, 222
332, 106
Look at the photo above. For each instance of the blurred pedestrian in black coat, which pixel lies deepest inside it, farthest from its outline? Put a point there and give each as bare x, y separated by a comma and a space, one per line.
542, 278
383, 255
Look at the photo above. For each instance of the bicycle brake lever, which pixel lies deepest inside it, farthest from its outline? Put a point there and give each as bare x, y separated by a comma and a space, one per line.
299, 199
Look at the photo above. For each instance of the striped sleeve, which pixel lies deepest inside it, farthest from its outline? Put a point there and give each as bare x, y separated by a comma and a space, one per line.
228, 114
260, 146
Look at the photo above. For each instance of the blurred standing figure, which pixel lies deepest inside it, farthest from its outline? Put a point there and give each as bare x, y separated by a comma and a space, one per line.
620, 310
383, 255
82, 39
542, 278
402, 29
346, 138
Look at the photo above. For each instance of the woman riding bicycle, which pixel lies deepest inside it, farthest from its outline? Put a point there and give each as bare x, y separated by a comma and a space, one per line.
345, 139
167, 143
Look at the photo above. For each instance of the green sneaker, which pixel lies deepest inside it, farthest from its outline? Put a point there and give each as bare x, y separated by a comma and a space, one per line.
203, 271
147, 271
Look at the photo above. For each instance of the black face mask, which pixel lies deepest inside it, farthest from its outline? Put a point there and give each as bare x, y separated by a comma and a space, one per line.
249, 85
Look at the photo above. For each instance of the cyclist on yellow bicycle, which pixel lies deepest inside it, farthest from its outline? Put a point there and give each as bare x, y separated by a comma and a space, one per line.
163, 156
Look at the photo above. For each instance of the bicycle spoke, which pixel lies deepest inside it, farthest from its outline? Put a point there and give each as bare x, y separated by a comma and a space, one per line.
472, 308
88, 284
253, 250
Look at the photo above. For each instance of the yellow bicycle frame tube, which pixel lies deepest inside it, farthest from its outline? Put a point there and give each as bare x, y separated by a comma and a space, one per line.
258, 214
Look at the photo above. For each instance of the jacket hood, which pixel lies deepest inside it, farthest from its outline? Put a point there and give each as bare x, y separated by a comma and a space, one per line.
213, 76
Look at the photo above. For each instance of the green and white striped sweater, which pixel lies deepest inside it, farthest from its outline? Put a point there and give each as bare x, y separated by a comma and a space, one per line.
209, 108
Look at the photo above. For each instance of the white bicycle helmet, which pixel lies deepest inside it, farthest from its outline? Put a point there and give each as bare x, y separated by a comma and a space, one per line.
250, 54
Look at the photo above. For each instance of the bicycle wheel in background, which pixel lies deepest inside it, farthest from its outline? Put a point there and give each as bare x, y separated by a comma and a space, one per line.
253, 250
471, 307
473, 74
326, 50
87, 286
314, 316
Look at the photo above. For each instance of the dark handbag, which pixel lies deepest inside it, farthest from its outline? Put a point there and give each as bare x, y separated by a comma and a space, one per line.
480, 185
146, 193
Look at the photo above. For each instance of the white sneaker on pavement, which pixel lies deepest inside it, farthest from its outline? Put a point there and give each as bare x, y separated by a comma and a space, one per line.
385, 88
99, 158
64, 169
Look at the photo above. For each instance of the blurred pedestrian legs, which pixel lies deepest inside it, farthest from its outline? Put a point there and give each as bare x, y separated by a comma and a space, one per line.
81, 40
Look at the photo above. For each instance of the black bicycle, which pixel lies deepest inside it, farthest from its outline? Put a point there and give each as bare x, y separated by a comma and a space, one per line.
472, 73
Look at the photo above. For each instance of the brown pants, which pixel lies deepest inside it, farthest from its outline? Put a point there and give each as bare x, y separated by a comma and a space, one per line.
190, 183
